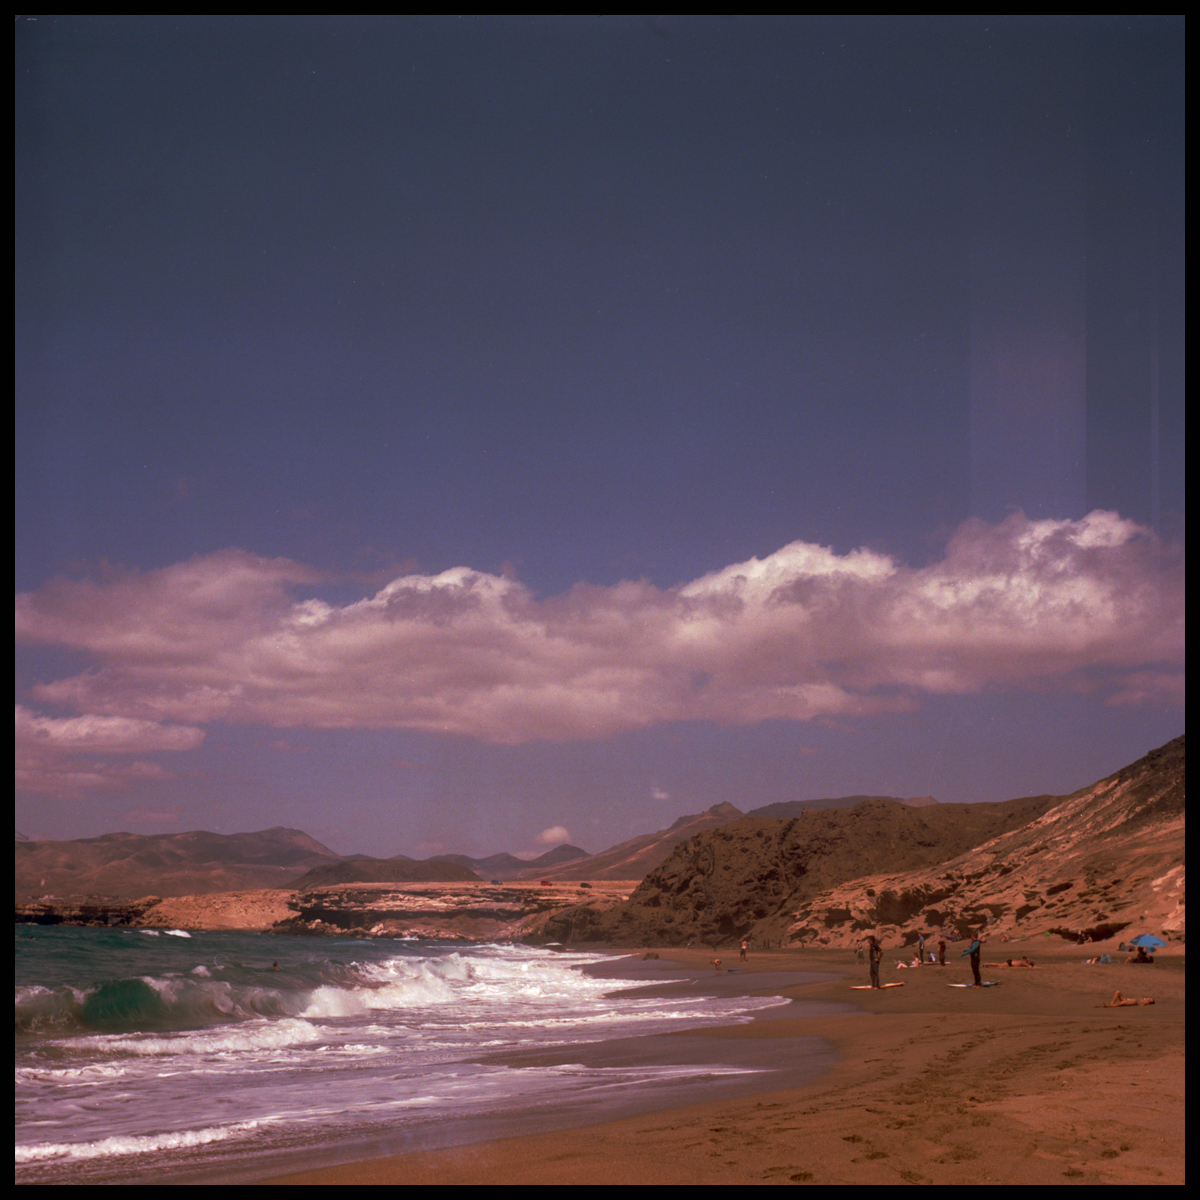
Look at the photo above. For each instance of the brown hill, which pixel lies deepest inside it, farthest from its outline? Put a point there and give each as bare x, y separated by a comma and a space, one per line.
1107, 860
632, 859
172, 864
750, 874
383, 870
784, 809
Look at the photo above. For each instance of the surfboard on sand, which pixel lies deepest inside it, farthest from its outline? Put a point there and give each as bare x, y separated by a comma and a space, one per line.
866, 987
986, 983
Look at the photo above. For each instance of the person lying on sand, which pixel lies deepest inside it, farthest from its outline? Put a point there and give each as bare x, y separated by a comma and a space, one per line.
1140, 956
1012, 962
1119, 1001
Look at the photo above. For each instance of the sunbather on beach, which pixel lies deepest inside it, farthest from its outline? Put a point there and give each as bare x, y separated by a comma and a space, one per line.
1012, 962
1119, 1001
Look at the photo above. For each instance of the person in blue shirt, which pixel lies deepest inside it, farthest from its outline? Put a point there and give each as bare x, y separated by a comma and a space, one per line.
974, 950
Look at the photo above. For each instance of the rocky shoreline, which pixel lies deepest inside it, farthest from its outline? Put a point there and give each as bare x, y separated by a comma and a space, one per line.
469, 912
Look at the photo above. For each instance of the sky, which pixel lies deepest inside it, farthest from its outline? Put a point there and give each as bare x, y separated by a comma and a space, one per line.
476, 434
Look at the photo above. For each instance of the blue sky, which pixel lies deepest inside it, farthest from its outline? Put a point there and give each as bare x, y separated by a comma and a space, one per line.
451, 434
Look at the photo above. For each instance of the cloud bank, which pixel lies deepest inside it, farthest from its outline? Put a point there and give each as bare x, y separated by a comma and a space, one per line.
1095, 604
50, 752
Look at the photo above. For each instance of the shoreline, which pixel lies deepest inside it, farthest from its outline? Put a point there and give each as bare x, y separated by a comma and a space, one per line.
1031, 1082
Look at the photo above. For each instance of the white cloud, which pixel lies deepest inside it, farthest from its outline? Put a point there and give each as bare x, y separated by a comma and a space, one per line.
103, 735
51, 751
556, 835
800, 634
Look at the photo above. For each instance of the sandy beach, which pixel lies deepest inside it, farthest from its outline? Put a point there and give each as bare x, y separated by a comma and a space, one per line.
1034, 1081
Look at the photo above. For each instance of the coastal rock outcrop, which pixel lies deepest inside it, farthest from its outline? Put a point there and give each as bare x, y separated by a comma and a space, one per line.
467, 912
85, 912
463, 911
256, 911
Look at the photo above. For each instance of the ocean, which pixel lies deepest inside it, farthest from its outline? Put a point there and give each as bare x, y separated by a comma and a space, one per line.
231, 1056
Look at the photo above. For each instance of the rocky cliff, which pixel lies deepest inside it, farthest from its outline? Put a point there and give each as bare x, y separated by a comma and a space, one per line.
85, 912
466, 912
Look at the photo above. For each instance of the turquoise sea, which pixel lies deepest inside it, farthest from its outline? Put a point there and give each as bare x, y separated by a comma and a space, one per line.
235, 1056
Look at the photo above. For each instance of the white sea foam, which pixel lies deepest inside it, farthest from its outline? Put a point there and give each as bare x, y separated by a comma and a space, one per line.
346, 1040
334, 1002
106, 1147
237, 1039
93, 1073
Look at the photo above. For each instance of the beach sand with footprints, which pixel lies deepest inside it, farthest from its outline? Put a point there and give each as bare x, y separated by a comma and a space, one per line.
1034, 1081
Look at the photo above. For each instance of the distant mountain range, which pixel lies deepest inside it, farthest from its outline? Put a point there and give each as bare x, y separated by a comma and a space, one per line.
364, 869
169, 864
198, 862
1106, 860
508, 866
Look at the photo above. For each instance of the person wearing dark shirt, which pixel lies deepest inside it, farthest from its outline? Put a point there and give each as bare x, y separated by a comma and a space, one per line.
974, 950
874, 953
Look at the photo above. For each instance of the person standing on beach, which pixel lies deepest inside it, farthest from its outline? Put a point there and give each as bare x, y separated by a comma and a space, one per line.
921, 947
941, 952
874, 953
743, 949
974, 950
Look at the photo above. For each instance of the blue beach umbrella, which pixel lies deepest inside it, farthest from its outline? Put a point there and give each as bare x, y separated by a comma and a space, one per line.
1148, 940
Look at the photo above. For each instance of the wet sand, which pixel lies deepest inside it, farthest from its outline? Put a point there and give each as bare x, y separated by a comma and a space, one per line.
1034, 1081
